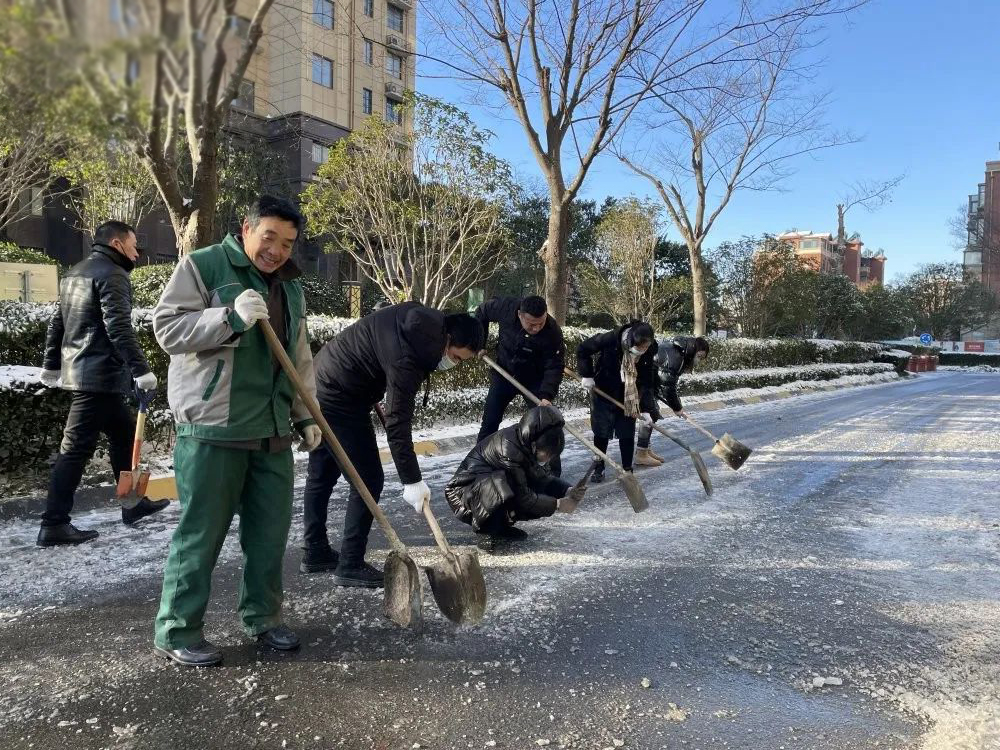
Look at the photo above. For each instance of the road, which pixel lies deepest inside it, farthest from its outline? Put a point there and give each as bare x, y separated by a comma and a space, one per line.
859, 544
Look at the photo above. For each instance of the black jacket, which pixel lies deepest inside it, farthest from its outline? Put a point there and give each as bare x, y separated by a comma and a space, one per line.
90, 337
673, 359
530, 359
387, 354
502, 472
607, 348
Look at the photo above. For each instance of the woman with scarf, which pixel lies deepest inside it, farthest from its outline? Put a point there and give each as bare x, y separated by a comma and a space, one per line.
620, 363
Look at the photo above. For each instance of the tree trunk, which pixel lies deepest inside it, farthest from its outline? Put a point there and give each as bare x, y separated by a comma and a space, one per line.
556, 264
699, 296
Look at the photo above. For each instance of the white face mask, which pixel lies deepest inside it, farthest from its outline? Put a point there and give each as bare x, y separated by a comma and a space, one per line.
446, 363
635, 352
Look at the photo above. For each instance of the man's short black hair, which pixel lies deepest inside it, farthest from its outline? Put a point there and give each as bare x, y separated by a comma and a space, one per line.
464, 331
112, 230
534, 306
279, 208
641, 333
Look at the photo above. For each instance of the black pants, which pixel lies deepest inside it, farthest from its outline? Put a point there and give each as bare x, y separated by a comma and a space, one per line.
498, 398
607, 420
90, 414
357, 436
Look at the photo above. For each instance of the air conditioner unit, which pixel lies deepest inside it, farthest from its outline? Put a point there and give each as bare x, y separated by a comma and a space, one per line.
392, 40
394, 90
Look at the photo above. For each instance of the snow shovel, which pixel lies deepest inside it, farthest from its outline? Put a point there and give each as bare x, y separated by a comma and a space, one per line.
696, 459
633, 490
403, 595
457, 583
132, 484
727, 449
580, 488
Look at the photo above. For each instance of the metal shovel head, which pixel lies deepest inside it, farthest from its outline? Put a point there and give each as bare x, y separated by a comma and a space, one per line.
403, 603
699, 466
459, 587
127, 490
634, 493
731, 451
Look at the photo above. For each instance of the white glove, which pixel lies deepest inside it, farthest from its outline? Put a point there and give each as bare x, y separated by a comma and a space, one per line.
646, 418
50, 377
146, 382
311, 438
588, 383
417, 494
251, 307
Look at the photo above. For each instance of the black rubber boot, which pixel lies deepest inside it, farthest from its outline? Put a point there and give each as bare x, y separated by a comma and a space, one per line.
66, 533
364, 576
319, 560
143, 508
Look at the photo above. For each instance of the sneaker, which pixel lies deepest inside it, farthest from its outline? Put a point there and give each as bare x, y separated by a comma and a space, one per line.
66, 533
645, 457
319, 559
143, 508
366, 576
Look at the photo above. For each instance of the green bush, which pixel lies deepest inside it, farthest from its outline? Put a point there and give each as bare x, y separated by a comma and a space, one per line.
968, 359
148, 283
33, 417
11, 253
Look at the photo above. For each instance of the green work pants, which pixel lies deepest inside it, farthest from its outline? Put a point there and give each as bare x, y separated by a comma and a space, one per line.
213, 485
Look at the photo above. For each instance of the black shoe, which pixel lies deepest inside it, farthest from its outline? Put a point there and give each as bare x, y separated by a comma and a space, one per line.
365, 576
143, 508
65, 533
279, 638
598, 476
509, 534
319, 559
202, 654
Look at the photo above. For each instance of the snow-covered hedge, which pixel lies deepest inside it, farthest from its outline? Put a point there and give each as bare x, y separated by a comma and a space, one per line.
32, 416
727, 380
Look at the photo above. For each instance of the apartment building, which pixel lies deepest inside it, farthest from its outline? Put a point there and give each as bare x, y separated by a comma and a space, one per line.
862, 267
320, 69
982, 252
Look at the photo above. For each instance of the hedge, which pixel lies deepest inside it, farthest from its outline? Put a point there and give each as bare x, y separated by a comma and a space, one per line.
11, 253
968, 359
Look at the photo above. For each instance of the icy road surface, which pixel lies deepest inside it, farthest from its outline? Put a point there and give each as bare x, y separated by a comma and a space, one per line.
839, 591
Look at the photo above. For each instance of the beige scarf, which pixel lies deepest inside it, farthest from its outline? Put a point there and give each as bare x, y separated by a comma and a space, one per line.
630, 378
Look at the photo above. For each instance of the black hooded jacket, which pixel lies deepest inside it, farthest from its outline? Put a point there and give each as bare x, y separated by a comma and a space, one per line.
386, 354
502, 472
674, 359
90, 337
538, 358
607, 348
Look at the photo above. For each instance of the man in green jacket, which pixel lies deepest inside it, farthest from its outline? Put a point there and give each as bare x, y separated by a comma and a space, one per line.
234, 409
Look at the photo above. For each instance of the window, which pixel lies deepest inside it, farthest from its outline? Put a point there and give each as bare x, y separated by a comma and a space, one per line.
115, 11
132, 70
395, 19
246, 97
320, 153
240, 26
369, 52
33, 199
323, 13
366, 101
394, 65
393, 112
370, 8
809, 244
322, 71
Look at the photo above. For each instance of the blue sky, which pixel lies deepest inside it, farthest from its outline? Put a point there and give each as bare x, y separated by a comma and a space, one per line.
918, 79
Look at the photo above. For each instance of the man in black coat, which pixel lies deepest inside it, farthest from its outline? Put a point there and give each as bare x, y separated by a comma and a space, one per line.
625, 370
504, 479
673, 359
387, 354
530, 348
91, 351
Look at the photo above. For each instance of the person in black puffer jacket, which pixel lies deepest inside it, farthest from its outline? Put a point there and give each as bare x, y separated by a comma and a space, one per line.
625, 370
673, 359
504, 479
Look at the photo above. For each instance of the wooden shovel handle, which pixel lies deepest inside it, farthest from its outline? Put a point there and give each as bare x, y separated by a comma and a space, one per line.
439, 536
331, 440
140, 431
536, 401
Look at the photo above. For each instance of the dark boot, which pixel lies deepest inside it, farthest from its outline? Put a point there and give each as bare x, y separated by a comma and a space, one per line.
509, 533
143, 508
279, 638
363, 576
66, 533
319, 559
598, 476
202, 654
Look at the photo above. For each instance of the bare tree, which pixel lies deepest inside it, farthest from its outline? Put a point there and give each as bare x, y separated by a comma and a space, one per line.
871, 195
428, 233
734, 123
193, 85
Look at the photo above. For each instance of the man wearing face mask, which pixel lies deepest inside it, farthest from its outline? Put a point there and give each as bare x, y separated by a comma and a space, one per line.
91, 351
625, 370
235, 410
386, 355
673, 359
505, 478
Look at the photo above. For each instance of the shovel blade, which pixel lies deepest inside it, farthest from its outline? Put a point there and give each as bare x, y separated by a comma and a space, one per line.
142, 483
128, 491
634, 493
731, 451
459, 587
699, 466
124, 484
403, 602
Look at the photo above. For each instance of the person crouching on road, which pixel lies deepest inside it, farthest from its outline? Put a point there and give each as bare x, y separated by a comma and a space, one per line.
506, 477
234, 408
624, 370
91, 350
388, 354
673, 359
